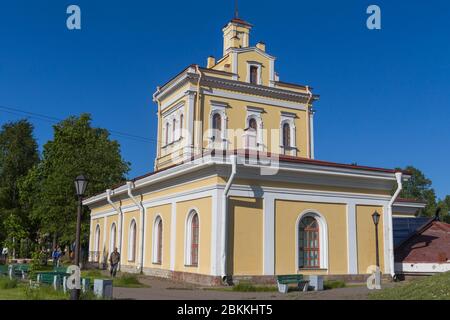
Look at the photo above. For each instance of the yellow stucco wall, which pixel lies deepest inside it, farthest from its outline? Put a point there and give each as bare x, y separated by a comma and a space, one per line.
164, 212
365, 231
271, 118
286, 215
109, 222
245, 57
246, 228
98, 222
203, 207
127, 217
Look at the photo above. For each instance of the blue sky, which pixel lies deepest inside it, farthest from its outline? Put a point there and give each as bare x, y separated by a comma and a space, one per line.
385, 95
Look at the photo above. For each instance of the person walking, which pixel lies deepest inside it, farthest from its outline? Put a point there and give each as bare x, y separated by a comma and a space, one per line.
114, 260
55, 256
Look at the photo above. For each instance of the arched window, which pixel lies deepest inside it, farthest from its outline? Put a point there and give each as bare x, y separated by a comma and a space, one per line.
174, 129
132, 241
181, 126
216, 125
308, 243
167, 133
112, 238
157, 240
97, 243
192, 239
286, 135
252, 124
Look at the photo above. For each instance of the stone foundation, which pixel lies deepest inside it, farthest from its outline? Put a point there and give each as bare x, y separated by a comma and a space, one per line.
209, 281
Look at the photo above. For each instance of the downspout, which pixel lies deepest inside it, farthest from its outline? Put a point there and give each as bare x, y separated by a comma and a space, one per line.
233, 159
398, 177
199, 130
119, 224
141, 233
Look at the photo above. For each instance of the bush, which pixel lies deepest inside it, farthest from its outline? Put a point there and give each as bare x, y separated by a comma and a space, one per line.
333, 284
6, 283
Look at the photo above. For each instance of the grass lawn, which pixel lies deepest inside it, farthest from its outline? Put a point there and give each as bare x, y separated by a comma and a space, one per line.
124, 280
435, 287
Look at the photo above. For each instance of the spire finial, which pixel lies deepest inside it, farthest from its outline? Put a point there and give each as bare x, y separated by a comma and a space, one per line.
236, 10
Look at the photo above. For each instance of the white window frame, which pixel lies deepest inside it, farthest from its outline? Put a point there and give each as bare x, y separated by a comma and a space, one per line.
132, 241
97, 243
323, 237
188, 238
255, 113
257, 65
289, 118
173, 136
155, 241
112, 237
218, 108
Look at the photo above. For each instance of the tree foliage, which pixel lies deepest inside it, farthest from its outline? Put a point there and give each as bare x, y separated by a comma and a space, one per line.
420, 187
18, 153
48, 190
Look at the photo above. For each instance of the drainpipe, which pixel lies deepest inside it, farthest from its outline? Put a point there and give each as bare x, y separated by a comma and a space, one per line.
141, 224
398, 177
233, 159
119, 224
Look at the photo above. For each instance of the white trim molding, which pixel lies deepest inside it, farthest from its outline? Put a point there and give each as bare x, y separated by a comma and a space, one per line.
155, 239
288, 118
323, 237
188, 238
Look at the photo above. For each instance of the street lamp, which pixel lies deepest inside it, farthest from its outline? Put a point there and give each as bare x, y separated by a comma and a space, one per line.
376, 220
80, 186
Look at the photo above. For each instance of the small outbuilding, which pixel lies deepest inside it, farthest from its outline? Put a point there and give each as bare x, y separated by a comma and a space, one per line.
426, 251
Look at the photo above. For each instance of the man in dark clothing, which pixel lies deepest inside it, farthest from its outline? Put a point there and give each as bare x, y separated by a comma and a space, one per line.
114, 260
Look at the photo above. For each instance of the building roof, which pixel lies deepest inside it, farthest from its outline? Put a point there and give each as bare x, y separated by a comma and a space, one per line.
429, 244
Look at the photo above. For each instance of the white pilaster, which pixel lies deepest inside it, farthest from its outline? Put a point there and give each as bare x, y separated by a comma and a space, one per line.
215, 240
269, 235
173, 235
352, 246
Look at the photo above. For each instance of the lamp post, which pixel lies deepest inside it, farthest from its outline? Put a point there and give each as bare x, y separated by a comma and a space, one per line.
80, 186
376, 220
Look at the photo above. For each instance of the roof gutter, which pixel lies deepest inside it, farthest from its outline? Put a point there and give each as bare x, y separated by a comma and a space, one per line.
141, 225
225, 278
398, 177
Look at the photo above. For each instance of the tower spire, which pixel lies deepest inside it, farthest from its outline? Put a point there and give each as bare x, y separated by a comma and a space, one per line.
236, 9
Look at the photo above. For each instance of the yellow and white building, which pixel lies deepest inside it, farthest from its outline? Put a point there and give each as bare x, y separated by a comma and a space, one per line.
236, 191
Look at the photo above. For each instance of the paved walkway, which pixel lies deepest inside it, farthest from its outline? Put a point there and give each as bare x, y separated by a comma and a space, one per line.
162, 289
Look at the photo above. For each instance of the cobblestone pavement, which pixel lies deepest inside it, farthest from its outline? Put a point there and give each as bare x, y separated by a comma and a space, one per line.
162, 289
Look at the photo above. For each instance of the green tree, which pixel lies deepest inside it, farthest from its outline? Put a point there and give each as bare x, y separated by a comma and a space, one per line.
48, 190
444, 204
419, 187
18, 153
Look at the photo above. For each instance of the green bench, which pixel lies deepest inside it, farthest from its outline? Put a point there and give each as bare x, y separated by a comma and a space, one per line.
284, 281
60, 269
54, 279
18, 270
